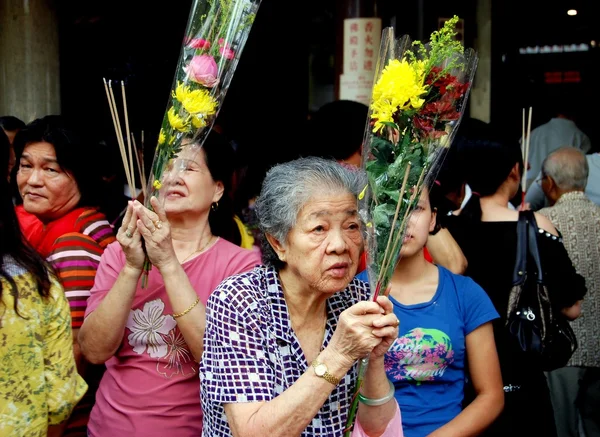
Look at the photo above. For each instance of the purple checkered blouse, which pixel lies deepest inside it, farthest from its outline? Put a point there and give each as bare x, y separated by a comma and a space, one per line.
251, 353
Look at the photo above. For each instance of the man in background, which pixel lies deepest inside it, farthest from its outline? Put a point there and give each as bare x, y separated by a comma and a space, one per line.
575, 389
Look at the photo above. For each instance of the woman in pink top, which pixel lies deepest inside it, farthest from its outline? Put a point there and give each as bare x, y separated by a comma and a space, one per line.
151, 338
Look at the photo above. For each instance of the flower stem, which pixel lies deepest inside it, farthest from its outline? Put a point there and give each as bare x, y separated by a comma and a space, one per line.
362, 369
387, 254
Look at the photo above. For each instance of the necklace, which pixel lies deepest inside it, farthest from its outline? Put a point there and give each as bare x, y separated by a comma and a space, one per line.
197, 250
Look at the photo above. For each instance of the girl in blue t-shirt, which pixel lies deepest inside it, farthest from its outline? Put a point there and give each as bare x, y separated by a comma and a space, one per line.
445, 332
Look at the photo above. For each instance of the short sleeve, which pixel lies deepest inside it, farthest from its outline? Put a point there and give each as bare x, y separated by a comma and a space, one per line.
64, 386
477, 307
235, 364
111, 263
243, 261
565, 285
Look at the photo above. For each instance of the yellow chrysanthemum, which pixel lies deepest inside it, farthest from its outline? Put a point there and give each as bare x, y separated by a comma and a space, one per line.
176, 121
161, 137
198, 121
199, 102
180, 91
400, 87
157, 185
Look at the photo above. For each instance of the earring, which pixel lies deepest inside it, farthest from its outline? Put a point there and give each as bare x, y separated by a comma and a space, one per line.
214, 206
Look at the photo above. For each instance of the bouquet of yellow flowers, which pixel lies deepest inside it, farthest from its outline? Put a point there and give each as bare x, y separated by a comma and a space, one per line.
417, 103
215, 36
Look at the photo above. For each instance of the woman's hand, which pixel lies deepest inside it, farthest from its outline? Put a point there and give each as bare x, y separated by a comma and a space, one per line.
154, 228
130, 240
386, 327
362, 329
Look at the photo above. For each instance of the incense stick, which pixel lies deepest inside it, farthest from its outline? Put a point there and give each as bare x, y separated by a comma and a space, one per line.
400, 199
119, 133
114, 116
139, 159
528, 139
523, 151
120, 138
132, 172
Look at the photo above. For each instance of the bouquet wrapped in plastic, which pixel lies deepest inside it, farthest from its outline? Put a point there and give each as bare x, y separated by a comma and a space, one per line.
418, 100
215, 36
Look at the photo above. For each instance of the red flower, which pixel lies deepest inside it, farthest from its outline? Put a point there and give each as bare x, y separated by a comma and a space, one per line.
199, 43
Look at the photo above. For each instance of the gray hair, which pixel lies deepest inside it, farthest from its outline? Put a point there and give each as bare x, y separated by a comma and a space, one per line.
289, 186
568, 167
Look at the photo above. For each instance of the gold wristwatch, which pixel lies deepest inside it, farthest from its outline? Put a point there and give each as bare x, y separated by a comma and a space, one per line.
322, 372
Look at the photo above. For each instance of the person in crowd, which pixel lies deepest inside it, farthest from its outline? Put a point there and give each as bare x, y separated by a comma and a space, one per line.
150, 335
560, 131
575, 389
6, 149
282, 341
39, 382
536, 199
445, 335
336, 131
11, 125
59, 190
486, 230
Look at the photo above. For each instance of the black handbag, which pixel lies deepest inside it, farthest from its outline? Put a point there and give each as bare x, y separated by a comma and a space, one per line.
541, 332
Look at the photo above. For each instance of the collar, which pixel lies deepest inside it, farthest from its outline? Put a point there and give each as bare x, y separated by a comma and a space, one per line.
281, 326
570, 196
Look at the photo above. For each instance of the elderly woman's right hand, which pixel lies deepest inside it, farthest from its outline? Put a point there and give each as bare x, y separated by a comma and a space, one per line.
353, 338
130, 240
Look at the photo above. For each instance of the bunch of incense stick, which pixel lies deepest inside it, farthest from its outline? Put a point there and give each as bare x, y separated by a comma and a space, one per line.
139, 158
525, 138
126, 153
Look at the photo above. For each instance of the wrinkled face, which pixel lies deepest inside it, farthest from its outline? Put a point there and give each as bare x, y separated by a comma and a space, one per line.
47, 190
322, 250
420, 223
188, 186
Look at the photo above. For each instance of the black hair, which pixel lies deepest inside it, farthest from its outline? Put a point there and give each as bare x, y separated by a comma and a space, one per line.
11, 123
4, 155
336, 129
13, 248
74, 153
488, 164
220, 160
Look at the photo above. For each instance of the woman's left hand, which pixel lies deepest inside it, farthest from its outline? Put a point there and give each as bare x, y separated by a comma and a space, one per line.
154, 228
386, 327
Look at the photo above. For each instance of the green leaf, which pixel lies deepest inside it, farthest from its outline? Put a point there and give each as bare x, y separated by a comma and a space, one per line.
383, 215
382, 149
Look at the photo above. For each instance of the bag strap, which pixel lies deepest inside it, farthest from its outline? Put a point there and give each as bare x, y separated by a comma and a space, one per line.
519, 273
533, 245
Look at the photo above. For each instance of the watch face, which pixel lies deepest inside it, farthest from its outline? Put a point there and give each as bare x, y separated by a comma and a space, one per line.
320, 370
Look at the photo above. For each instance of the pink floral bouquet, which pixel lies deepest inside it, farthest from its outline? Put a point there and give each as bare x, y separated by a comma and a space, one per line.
215, 36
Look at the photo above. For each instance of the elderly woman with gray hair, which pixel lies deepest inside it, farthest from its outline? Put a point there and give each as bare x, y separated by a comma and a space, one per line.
282, 341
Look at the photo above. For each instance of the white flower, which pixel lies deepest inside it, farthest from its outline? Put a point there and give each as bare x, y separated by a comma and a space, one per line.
146, 327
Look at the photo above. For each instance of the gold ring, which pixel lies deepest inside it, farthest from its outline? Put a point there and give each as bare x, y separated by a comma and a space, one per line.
158, 224
128, 234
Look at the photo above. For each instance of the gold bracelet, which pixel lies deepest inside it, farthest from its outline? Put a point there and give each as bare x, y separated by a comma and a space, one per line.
188, 309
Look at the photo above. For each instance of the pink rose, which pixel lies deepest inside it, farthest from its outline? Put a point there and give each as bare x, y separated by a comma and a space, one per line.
203, 69
199, 43
227, 53
225, 49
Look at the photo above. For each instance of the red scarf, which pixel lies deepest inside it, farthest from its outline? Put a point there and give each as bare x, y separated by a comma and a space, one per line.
43, 236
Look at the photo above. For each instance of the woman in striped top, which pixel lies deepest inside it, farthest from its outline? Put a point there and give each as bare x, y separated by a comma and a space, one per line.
58, 188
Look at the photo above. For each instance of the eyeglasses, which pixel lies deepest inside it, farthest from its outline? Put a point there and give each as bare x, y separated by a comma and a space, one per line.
540, 179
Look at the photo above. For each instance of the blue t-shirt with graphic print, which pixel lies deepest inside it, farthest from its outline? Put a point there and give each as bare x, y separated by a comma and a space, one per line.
427, 361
